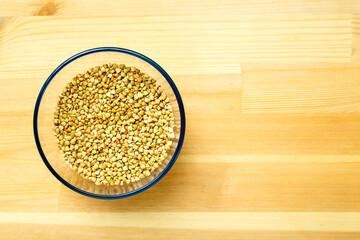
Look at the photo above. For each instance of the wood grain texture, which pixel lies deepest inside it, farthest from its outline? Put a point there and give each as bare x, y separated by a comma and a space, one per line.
177, 7
239, 187
181, 42
272, 98
342, 222
304, 91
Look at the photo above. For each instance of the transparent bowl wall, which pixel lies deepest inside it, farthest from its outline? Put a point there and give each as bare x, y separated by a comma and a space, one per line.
47, 101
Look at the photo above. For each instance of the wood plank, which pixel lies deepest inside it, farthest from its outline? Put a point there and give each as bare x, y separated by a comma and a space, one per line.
179, 42
36, 231
238, 187
301, 88
271, 134
268, 158
335, 222
160, 8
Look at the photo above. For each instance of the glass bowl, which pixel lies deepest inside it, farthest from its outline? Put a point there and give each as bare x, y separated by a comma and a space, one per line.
47, 101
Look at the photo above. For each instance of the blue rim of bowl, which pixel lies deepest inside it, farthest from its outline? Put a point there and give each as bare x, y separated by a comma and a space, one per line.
178, 98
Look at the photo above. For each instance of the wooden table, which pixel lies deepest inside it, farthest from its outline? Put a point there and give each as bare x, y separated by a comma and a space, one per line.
272, 96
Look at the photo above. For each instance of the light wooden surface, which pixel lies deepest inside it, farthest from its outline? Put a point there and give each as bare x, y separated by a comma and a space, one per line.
272, 97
